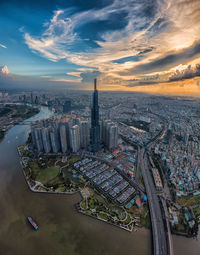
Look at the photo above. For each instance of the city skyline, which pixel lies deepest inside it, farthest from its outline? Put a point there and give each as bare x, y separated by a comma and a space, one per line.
142, 46
139, 168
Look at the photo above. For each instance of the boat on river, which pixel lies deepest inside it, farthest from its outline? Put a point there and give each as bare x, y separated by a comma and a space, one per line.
32, 222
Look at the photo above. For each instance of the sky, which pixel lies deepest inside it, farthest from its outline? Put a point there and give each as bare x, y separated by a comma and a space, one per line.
148, 46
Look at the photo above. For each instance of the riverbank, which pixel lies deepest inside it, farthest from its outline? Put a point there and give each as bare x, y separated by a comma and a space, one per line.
100, 219
35, 185
13, 114
57, 176
62, 229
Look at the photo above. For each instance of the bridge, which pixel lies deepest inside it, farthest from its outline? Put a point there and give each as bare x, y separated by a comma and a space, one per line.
158, 229
169, 235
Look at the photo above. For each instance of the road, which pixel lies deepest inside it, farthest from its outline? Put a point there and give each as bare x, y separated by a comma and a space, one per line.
158, 229
162, 239
160, 234
169, 235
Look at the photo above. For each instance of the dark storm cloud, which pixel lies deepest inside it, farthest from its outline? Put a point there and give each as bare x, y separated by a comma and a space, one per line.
168, 61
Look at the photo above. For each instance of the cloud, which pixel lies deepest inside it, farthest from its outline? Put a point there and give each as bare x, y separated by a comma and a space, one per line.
63, 32
66, 80
89, 76
127, 59
188, 73
4, 70
179, 73
170, 60
12, 81
123, 41
145, 50
55, 40
3, 46
76, 74
85, 69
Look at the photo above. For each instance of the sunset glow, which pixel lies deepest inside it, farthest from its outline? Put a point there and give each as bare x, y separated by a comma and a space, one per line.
150, 46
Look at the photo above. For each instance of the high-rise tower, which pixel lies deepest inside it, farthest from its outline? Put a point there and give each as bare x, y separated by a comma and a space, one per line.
95, 127
75, 138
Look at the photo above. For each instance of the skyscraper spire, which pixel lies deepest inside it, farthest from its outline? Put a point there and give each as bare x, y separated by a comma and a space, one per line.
95, 84
95, 127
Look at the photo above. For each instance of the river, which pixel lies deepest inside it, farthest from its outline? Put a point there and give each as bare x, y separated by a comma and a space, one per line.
62, 230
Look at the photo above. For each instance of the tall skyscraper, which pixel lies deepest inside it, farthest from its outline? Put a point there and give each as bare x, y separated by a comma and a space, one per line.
54, 140
110, 134
95, 127
113, 137
75, 138
104, 131
33, 136
63, 138
84, 133
38, 139
46, 140
32, 99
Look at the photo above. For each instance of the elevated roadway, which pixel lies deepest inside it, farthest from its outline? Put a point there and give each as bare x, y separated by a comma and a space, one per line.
158, 228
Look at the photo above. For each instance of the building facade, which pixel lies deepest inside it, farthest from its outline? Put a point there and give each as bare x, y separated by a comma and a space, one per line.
46, 140
55, 144
75, 138
84, 134
63, 138
95, 127
38, 139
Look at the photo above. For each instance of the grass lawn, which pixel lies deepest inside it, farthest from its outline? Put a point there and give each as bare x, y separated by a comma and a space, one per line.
34, 169
55, 182
83, 204
180, 228
196, 211
103, 216
42, 189
27, 172
47, 174
145, 218
127, 221
93, 202
61, 188
21, 149
73, 159
140, 177
118, 211
189, 200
